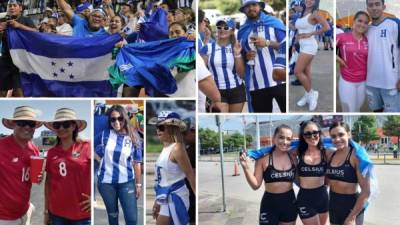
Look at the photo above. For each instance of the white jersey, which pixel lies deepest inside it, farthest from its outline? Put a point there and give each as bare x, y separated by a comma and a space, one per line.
221, 63
265, 57
167, 172
383, 54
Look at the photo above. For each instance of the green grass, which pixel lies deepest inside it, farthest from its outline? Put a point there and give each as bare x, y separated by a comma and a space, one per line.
153, 147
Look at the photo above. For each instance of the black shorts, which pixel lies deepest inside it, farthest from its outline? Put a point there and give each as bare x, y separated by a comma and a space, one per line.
261, 100
277, 208
311, 202
234, 95
340, 206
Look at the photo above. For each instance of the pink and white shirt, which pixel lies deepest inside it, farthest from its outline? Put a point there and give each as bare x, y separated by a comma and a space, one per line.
355, 53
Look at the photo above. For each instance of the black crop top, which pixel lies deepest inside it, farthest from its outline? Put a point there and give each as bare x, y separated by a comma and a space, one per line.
318, 170
345, 172
272, 175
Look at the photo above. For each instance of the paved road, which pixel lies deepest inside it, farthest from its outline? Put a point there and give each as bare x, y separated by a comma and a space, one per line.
243, 203
322, 81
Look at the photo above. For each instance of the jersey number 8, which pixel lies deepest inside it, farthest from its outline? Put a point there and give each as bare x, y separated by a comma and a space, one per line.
63, 169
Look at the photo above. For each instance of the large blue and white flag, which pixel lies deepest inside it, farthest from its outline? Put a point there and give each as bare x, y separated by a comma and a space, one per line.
62, 66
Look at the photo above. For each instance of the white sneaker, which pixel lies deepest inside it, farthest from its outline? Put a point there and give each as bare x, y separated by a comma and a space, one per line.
313, 100
303, 101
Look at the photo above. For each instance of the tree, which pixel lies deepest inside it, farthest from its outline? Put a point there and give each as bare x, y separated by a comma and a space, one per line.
229, 7
391, 127
364, 129
208, 138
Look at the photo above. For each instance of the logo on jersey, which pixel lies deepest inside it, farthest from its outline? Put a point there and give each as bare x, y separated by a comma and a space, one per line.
14, 160
76, 154
263, 218
127, 143
383, 33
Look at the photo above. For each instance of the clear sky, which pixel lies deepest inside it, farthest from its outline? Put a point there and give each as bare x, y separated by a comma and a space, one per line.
46, 111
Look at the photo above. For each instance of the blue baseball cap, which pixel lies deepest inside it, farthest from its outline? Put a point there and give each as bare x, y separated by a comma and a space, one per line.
83, 6
169, 118
228, 21
297, 3
245, 3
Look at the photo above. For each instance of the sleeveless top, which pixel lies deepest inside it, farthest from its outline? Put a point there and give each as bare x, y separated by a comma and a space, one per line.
306, 170
272, 175
344, 172
167, 172
303, 26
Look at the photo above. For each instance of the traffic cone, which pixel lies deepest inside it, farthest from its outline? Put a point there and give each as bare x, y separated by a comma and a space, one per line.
235, 169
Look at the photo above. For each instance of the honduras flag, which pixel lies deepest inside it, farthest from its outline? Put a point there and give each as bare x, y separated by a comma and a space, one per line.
149, 64
155, 28
62, 66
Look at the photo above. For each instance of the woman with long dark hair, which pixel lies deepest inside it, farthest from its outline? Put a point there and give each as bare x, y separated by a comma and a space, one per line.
119, 176
346, 205
308, 49
312, 199
67, 186
277, 169
353, 59
226, 64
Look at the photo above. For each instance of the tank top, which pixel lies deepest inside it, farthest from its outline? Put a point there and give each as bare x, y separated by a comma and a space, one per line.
167, 172
272, 175
344, 172
303, 26
318, 170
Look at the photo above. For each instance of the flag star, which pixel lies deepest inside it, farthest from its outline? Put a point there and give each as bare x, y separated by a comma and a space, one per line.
71, 76
62, 70
53, 63
70, 63
55, 74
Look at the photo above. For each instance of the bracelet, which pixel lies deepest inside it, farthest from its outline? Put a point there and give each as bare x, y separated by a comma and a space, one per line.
237, 56
139, 185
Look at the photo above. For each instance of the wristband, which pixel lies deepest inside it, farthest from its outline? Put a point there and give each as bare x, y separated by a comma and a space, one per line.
237, 56
139, 185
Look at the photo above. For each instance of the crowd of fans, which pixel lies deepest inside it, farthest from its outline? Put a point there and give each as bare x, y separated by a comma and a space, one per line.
87, 19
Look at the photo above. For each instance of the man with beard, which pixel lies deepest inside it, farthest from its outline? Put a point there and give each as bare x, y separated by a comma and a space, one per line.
383, 74
260, 37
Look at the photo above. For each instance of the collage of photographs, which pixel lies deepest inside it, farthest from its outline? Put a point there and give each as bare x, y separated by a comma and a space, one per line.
176, 112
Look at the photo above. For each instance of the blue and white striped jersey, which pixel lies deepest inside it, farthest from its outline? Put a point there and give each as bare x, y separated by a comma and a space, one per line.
221, 63
118, 153
384, 54
280, 60
265, 57
184, 3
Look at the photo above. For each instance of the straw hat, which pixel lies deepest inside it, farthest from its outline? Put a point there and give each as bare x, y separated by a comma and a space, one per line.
168, 118
66, 114
22, 113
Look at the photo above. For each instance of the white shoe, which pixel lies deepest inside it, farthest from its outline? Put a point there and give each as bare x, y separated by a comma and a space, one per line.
313, 100
303, 101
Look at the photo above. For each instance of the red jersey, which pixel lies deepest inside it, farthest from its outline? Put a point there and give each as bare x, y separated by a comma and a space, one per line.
15, 184
355, 53
69, 172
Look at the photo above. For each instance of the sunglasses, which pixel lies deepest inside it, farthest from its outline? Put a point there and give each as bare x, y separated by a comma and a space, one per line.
339, 135
223, 28
114, 119
160, 127
311, 134
64, 124
23, 123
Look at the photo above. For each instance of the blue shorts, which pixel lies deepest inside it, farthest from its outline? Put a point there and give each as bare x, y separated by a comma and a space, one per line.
388, 99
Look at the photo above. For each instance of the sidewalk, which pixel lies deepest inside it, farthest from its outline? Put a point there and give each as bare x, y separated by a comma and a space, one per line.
322, 81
